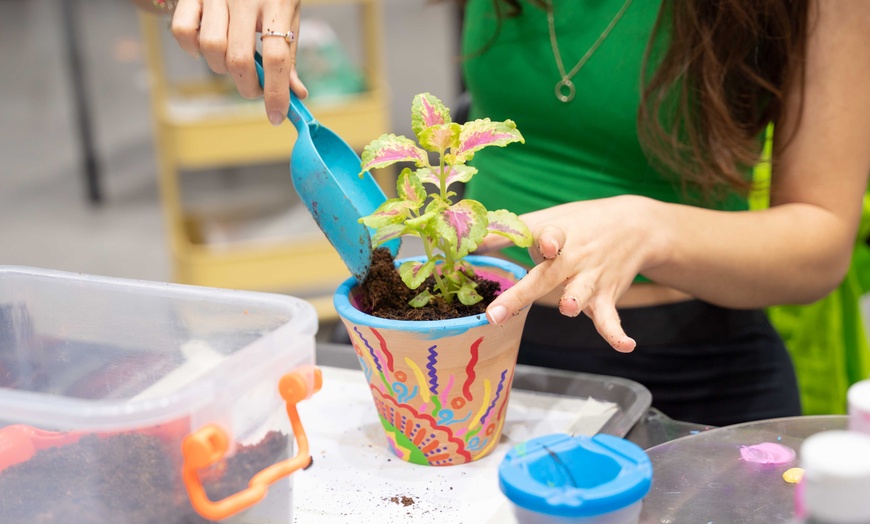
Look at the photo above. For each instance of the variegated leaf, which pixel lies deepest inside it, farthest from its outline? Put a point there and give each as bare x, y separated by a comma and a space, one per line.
413, 272
386, 150
410, 188
392, 211
422, 299
428, 175
462, 226
428, 111
441, 137
478, 134
421, 223
387, 233
458, 173
509, 225
468, 295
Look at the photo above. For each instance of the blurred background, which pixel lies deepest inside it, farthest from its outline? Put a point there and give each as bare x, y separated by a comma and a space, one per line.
122, 156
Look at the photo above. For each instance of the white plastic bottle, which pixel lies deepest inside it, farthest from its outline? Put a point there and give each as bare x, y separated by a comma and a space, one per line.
836, 482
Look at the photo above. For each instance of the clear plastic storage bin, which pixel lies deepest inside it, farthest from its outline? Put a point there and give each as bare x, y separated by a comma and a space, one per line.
139, 402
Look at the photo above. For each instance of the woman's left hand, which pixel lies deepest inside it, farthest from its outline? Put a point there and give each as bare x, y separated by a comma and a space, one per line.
593, 249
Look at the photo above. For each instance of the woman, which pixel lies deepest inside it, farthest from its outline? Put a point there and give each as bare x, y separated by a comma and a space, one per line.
641, 124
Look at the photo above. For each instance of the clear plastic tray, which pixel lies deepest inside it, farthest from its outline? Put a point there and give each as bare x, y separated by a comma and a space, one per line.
103, 378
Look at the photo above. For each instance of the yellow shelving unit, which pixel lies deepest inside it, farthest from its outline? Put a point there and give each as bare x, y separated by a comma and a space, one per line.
237, 133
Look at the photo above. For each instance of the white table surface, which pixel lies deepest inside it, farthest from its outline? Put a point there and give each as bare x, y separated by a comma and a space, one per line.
355, 478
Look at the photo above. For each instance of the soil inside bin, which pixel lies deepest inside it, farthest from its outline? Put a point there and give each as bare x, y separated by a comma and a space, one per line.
384, 294
124, 478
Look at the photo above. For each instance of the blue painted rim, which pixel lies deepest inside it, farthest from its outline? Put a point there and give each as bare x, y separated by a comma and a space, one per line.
526, 473
341, 301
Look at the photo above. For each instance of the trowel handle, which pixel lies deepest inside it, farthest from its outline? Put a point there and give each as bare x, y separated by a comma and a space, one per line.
298, 113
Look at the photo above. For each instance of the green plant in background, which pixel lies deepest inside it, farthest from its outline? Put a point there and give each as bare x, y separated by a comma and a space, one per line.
449, 230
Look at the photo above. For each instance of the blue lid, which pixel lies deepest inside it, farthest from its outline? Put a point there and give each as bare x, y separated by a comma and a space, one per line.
575, 476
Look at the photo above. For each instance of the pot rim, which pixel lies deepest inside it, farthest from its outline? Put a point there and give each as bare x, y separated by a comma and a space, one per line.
346, 310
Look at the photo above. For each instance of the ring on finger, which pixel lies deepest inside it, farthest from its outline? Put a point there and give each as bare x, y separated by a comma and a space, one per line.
288, 37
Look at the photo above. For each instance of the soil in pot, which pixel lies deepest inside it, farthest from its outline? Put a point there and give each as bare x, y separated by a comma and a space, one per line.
130, 478
384, 294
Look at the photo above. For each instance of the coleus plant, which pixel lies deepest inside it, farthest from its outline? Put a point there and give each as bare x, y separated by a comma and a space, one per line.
449, 230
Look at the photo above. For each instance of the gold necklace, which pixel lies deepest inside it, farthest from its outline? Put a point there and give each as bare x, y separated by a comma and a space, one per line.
565, 82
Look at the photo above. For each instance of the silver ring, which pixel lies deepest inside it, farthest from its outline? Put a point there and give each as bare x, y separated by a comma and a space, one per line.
289, 36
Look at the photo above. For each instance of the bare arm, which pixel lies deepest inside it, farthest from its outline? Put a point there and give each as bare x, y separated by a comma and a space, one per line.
795, 252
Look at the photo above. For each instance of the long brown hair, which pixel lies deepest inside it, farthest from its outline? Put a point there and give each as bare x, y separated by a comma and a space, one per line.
715, 75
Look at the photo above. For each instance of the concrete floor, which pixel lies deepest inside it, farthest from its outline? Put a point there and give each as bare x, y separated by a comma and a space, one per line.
45, 219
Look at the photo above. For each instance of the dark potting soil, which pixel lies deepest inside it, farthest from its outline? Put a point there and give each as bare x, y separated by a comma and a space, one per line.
121, 479
384, 294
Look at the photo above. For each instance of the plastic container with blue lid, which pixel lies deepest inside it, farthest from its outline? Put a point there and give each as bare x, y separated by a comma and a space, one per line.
563, 479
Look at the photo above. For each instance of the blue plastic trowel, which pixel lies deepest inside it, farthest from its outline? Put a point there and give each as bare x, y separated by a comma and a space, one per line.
325, 172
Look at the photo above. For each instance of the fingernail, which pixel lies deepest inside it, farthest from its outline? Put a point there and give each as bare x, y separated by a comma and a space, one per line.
276, 118
563, 305
555, 247
497, 315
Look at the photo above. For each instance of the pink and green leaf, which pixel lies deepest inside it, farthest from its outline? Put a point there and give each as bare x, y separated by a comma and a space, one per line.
409, 188
389, 149
422, 299
458, 173
387, 233
441, 137
392, 211
422, 222
509, 225
468, 295
414, 273
427, 111
462, 226
481, 133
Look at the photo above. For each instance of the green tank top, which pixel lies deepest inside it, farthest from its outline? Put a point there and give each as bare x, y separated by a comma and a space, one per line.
581, 150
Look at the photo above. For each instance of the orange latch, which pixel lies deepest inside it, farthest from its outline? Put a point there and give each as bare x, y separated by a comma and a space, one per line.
207, 446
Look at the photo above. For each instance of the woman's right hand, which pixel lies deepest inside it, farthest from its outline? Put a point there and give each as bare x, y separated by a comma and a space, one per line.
225, 33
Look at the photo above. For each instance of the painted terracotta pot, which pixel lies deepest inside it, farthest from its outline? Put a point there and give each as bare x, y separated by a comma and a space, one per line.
440, 387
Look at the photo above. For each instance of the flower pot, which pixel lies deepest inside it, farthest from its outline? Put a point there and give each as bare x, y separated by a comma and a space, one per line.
440, 387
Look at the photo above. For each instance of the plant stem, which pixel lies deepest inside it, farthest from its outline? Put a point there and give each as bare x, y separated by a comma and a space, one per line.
439, 282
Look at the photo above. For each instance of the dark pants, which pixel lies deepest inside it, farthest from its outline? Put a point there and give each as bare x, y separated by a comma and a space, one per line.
702, 363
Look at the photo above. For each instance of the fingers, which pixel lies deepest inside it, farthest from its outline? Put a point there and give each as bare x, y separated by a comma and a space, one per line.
548, 244
581, 297
213, 35
241, 42
537, 283
607, 323
277, 62
185, 25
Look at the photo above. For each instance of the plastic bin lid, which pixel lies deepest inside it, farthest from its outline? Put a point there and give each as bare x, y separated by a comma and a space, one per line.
578, 476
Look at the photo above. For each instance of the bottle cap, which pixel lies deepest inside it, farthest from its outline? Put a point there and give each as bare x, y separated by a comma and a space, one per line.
837, 477
859, 407
565, 476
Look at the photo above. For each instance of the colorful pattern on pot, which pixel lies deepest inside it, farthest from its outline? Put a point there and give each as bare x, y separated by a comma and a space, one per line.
440, 402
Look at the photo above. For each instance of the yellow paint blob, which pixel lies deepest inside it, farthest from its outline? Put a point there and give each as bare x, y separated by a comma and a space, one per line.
793, 475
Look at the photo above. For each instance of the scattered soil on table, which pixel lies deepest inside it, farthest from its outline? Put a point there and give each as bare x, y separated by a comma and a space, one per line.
124, 478
386, 296
403, 500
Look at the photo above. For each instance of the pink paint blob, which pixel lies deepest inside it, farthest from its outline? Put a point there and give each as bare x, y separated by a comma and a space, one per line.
767, 453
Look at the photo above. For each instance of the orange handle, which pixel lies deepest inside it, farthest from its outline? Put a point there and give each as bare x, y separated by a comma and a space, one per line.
208, 445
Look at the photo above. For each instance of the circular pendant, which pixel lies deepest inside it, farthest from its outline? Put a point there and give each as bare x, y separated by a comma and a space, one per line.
565, 90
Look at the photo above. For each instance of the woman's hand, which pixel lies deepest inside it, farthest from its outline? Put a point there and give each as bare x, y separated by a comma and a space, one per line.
225, 33
591, 249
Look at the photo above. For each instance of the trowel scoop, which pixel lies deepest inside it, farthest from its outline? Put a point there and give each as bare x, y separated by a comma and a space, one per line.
324, 170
